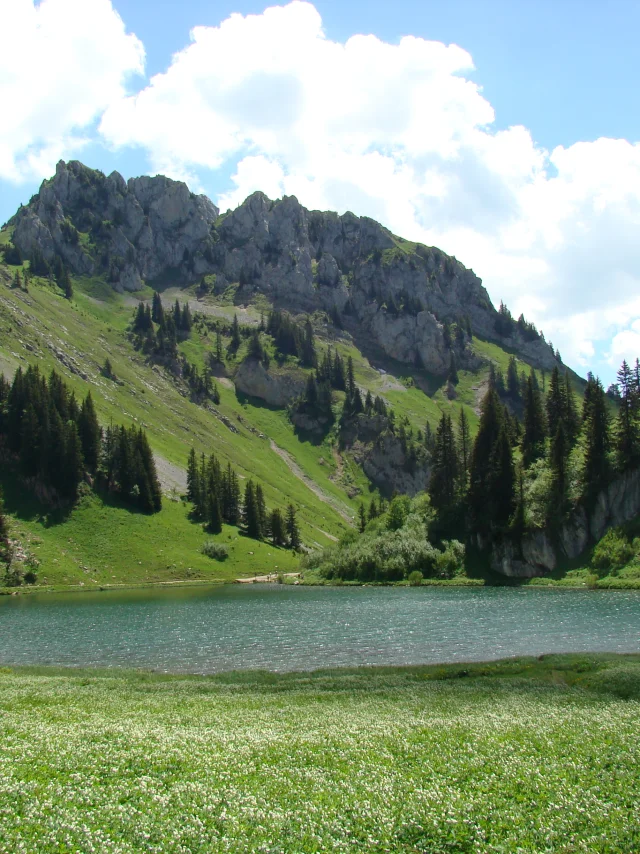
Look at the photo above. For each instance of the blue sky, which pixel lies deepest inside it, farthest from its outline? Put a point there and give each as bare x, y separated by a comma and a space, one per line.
532, 179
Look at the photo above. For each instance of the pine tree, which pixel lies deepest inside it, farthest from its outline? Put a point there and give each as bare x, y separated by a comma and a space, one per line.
479, 496
157, 311
534, 424
261, 509
193, 478
502, 481
597, 470
277, 528
4, 532
362, 518
219, 352
235, 334
214, 514
90, 434
556, 403
464, 447
373, 509
627, 432
291, 525
443, 484
250, 517
571, 418
558, 454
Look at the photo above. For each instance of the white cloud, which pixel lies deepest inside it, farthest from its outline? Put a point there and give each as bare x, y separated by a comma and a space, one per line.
61, 63
394, 131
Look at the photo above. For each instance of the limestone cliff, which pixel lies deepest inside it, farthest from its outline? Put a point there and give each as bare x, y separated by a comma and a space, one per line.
400, 296
539, 552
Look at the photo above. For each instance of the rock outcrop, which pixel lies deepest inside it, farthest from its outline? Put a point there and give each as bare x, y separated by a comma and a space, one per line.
401, 296
277, 388
539, 552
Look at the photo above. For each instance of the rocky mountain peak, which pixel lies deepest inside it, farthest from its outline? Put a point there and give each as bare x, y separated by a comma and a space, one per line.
398, 295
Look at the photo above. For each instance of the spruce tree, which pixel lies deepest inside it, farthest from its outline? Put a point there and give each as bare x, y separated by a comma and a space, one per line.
291, 525
534, 424
90, 434
235, 334
250, 516
261, 509
558, 455
4, 532
502, 481
277, 528
214, 514
571, 418
362, 518
597, 469
373, 509
157, 311
627, 431
464, 447
443, 484
193, 478
489, 430
556, 404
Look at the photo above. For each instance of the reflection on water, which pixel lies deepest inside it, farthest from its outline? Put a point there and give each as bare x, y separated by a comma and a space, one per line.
209, 629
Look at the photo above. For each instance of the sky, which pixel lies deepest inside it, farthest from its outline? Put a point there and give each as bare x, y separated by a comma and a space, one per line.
506, 133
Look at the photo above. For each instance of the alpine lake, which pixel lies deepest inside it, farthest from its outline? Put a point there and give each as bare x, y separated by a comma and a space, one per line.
212, 629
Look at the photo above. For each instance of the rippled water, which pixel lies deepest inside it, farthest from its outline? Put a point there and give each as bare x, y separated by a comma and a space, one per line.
210, 629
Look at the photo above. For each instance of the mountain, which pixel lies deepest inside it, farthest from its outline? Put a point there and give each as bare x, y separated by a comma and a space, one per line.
416, 328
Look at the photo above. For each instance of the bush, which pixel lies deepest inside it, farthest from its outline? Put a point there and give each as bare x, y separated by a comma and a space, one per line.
449, 562
215, 550
613, 551
415, 578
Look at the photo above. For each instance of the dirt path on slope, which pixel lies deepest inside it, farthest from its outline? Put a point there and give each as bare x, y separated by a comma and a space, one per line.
170, 476
295, 469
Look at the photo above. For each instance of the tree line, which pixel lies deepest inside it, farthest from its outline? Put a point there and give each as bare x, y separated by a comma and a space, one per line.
217, 497
515, 475
57, 441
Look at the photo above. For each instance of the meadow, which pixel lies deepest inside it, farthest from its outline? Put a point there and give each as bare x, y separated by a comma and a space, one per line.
524, 755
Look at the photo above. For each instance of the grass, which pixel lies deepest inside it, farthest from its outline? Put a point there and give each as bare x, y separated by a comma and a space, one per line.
526, 755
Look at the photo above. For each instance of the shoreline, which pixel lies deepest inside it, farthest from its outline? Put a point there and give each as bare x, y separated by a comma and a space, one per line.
537, 582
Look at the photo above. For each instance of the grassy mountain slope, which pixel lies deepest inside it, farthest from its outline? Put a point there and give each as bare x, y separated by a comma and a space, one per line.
99, 543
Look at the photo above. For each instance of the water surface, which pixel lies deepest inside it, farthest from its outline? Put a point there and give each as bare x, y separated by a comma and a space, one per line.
211, 629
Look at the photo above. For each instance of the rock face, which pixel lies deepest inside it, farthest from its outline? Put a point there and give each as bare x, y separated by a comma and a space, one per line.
275, 388
539, 552
140, 230
398, 295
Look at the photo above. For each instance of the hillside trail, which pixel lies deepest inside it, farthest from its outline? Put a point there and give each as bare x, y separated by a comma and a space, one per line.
295, 469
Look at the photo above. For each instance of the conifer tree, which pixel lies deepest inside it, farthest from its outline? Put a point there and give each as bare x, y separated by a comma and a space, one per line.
627, 431
443, 484
219, 352
558, 454
534, 424
193, 478
214, 514
157, 311
597, 470
556, 404
373, 509
291, 525
261, 509
571, 418
90, 434
250, 515
362, 518
277, 528
235, 334
480, 476
464, 447
502, 481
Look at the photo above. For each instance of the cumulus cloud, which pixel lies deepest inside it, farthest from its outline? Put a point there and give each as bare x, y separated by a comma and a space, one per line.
62, 62
398, 132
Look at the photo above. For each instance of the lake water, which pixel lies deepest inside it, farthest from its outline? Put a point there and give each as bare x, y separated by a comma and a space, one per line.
211, 629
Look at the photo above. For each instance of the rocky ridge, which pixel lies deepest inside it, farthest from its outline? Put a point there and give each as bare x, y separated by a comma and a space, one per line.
400, 295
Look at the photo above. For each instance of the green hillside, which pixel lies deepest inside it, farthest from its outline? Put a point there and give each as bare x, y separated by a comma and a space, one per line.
99, 542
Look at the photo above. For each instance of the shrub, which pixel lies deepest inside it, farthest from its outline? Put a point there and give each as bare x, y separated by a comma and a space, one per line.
449, 562
613, 551
215, 550
415, 578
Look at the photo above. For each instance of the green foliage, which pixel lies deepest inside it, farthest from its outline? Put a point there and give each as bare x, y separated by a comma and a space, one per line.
216, 551
613, 551
415, 578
